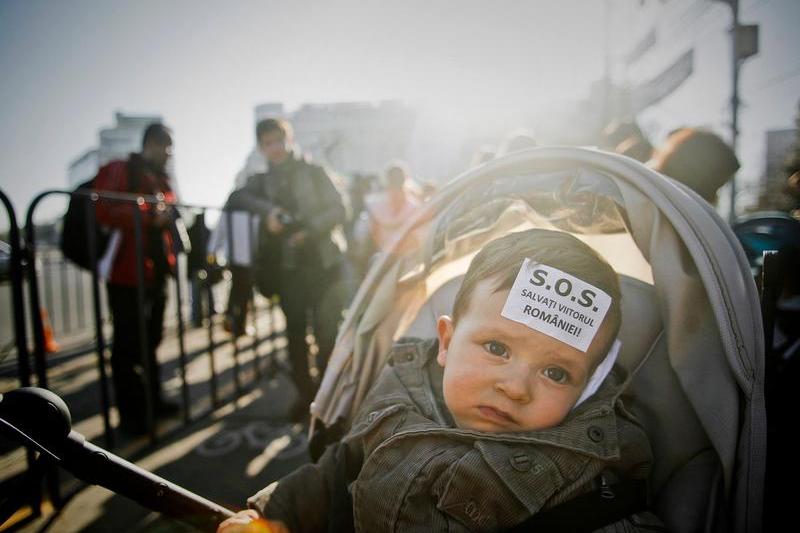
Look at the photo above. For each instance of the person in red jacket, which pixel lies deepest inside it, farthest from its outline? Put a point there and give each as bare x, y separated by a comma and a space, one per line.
133, 359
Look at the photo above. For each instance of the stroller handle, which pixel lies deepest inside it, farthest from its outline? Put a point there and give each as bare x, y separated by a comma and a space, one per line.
49, 432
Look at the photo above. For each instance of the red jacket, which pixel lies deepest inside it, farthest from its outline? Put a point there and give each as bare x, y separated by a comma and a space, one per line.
116, 215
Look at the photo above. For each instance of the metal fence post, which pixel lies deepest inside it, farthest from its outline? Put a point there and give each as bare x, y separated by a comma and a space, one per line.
49, 303
52, 476
105, 402
210, 295
20, 334
236, 379
66, 322
181, 331
81, 310
253, 247
140, 303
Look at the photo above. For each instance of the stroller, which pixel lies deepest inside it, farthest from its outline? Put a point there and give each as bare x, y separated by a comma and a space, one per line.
691, 331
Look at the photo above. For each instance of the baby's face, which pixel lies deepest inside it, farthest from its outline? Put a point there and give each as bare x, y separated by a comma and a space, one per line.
502, 376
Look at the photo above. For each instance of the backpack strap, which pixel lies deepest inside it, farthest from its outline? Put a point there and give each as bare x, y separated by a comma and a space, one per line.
136, 171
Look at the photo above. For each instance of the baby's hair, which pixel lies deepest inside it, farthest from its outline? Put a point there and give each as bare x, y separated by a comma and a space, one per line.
502, 258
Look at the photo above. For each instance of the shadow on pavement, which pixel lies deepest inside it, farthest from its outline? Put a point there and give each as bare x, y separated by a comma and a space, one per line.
225, 458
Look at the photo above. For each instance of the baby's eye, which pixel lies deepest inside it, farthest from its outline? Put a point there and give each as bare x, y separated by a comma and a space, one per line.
496, 348
559, 375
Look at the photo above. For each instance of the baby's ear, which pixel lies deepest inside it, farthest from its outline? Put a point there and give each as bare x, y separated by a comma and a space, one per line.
444, 329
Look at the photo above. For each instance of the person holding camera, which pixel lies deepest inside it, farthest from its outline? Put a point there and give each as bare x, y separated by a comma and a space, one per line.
301, 250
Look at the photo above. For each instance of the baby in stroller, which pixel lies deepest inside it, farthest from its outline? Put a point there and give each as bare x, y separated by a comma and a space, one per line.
515, 409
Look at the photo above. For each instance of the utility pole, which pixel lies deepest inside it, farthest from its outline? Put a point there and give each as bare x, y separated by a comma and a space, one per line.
734, 100
606, 64
744, 44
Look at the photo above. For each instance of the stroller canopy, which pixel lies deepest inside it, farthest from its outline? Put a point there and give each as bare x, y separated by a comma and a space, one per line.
692, 332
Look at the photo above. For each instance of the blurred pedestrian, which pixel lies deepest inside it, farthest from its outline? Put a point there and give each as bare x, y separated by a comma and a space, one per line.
697, 158
626, 138
303, 213
385, 213
521, 139
482, 155
361, 186
793, 190
389, 210
234, 242
142, 173
199, 272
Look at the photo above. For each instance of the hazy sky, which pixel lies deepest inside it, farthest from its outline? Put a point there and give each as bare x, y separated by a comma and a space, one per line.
67, 66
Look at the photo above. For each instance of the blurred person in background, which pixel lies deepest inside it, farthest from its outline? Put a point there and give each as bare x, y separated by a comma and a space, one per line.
142, 173
303, 245
235, 247
200, 272
384, 215
428, 189
793, 190
697, 158
361, 186
626, 138
389, 210
791, 169
521, 139
482, 155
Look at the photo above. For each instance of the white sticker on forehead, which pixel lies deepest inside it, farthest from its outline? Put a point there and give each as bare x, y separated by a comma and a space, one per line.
557, 304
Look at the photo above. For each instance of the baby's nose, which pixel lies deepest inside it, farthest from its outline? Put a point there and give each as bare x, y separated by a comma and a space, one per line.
517, 386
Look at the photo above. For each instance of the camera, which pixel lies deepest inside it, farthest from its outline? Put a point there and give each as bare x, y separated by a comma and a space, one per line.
290, 224
285, 218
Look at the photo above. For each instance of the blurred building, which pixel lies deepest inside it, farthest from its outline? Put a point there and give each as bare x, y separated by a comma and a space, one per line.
354, 137
116, 142
83, 168
674, 60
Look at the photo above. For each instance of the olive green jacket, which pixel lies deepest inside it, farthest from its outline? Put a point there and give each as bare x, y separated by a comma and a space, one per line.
412, 470
320, 208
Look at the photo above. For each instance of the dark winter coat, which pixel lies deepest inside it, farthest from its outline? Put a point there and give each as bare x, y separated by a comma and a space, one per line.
404, 466
308, 194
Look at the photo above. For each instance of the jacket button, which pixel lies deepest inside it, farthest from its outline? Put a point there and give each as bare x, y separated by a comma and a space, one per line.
595, 433
410, 356
473, 511
521, 462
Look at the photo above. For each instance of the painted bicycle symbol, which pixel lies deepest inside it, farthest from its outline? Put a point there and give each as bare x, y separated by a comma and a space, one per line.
259, 435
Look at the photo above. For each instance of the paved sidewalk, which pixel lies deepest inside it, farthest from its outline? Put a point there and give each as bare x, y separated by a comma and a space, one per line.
232, 454
223, 455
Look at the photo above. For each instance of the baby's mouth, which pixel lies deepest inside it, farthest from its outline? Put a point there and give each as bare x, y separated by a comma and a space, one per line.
496, 415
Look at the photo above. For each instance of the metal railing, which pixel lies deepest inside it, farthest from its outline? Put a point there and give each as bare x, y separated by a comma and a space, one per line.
27, 268
16, 269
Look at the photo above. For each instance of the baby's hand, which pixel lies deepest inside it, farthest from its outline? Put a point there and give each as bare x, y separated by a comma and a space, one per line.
248, 521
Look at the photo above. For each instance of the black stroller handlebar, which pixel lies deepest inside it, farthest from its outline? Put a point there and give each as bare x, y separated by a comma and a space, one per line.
39, 419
